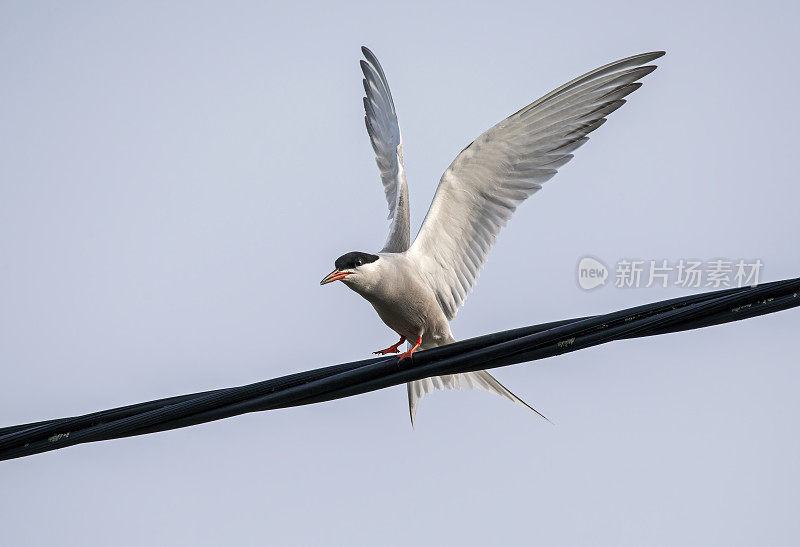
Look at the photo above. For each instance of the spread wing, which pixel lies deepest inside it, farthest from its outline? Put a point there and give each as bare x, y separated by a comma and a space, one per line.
504, 166
384, 133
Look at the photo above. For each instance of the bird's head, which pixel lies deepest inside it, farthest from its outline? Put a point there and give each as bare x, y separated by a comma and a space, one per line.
355, 269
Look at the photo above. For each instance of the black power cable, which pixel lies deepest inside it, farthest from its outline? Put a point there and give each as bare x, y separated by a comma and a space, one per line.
344, 380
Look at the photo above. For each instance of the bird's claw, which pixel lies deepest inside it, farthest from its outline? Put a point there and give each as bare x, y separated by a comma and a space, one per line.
386, 351
408, 354
391, 349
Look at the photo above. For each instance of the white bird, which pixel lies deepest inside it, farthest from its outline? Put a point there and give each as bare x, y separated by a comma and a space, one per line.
418, 288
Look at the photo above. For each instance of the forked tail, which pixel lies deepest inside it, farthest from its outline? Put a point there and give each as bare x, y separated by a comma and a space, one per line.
468, 380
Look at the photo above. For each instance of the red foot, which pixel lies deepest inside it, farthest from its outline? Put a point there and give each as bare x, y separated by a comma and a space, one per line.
391, 349
410, 352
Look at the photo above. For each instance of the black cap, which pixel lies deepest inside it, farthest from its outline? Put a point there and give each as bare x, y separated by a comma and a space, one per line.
354, 259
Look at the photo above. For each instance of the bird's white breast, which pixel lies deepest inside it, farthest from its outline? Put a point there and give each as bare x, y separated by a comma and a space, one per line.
402, 299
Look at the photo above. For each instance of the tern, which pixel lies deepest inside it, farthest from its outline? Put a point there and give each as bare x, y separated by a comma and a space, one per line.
417, 289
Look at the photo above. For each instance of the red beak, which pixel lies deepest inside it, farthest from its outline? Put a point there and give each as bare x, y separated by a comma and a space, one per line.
335, 275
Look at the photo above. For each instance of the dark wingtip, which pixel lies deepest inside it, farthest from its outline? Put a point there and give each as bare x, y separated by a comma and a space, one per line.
646, 69
655, 55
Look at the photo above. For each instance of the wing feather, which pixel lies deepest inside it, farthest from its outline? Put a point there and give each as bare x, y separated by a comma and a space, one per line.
482, 188
384, 134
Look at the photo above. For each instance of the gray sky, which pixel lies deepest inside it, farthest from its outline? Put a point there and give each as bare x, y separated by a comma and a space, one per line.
176, 178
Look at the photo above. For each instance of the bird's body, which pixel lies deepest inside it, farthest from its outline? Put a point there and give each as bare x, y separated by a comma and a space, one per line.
417, 288
404, 302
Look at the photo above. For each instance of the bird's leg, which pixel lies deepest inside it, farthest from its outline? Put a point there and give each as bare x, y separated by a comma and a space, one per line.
391, 349
410, 352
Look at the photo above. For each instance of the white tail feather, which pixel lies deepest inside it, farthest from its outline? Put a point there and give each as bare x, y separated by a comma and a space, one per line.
468, 380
